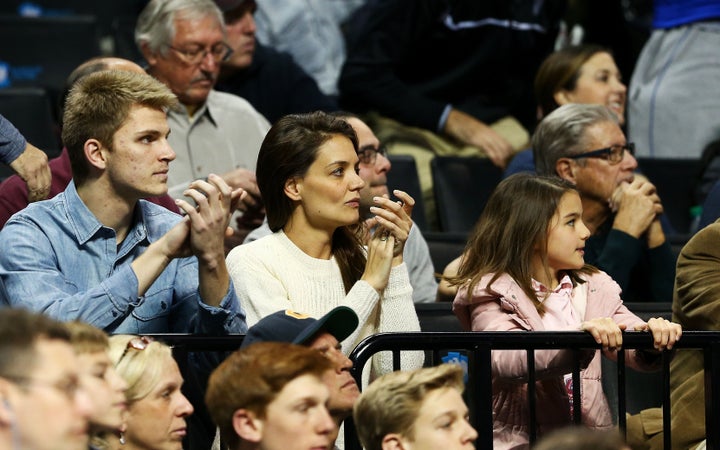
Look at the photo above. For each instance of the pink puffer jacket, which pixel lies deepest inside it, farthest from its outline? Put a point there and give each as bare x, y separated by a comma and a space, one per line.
507, 308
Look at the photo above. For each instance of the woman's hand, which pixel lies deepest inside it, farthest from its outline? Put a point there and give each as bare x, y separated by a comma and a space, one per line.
665, 333
379, 260
605, 331
394, 220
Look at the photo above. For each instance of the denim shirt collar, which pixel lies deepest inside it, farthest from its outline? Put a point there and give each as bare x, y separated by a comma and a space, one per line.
85, 225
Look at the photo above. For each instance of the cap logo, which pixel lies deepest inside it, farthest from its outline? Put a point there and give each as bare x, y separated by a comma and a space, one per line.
296, 315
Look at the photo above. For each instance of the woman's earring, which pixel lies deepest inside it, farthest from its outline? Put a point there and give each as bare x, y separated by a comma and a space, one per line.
122, 438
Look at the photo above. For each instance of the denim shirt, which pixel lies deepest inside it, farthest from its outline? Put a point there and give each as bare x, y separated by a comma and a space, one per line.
57, 258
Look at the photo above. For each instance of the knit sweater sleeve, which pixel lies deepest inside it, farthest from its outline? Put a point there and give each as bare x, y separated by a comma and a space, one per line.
271, 274
397, 314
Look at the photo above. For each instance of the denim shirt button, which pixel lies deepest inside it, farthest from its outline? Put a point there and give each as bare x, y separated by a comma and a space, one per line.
114, 313
163, 305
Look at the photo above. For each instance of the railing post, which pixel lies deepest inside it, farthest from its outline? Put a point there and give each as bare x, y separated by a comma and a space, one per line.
480, 389
622, 392
532, 398
712, 396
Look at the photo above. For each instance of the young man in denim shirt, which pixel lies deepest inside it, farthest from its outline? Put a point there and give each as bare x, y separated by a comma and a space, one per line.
100, 253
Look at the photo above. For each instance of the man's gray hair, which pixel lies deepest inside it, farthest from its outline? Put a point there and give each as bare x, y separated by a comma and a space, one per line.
156, 23
563, 133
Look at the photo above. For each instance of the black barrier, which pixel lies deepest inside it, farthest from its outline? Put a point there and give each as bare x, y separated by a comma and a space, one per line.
478, 347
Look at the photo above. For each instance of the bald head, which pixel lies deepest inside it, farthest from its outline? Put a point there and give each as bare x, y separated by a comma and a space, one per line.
93, 65
101, 63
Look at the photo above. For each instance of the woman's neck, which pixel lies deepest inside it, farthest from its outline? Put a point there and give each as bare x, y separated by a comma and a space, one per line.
312, 241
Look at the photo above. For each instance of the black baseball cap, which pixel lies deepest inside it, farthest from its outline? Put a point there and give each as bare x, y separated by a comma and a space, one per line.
298, 328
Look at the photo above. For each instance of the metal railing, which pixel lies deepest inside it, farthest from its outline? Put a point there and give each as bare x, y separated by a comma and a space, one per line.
478, 346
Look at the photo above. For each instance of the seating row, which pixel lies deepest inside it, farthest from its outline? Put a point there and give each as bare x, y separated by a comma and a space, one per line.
462, 187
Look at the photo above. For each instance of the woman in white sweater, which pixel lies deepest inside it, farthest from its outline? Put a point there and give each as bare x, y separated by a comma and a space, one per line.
320, 256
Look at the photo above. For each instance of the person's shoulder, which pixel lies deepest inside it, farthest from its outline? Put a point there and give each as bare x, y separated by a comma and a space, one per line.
42, 213
226, 100
599, 281
269, 55
229, 105
264, 247
504, 286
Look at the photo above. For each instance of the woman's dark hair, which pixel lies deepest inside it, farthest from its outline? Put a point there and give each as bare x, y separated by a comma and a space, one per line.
513, 224
288, 151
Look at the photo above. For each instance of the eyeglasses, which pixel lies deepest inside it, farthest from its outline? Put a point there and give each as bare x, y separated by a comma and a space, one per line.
613, 154
67, 387
138, 343
368, 155
220, 52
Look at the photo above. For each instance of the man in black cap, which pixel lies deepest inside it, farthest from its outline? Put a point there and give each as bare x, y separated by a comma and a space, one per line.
324, 335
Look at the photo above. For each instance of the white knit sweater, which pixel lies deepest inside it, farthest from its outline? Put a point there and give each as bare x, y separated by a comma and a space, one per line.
273, 274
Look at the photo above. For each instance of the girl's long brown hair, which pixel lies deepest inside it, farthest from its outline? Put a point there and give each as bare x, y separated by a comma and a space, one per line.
513, 224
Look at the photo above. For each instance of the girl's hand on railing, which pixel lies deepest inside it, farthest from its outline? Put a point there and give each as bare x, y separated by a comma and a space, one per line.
665, 333
605, 331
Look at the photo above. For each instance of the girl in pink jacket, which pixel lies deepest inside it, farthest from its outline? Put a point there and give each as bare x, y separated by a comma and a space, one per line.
523, 270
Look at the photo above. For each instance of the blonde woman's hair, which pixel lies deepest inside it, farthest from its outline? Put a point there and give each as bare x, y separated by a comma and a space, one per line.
141, 369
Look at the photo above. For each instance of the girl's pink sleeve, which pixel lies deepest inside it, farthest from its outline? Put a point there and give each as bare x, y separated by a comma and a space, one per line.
613, 307
493, 313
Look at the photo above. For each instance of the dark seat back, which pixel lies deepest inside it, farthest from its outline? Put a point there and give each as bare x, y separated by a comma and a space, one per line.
675, 180
711, 207
42, 51
30, 110
462, 186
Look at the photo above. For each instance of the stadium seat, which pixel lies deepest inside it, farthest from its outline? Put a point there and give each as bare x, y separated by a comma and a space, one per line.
462, 186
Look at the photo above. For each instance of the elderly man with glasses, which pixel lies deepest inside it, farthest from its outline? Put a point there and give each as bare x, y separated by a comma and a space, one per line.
585, 145
184, 43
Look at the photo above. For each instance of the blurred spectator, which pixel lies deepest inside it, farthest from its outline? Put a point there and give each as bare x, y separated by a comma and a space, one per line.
311, 31
448, 78
41, 404
576, 74
157, 410
184, 44
271, 396
673, 105
105, 387
271, 81
581, 438
420, 410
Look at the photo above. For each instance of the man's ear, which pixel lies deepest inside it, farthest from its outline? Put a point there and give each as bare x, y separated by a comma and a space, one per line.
293, 188
393, 441
247, 426
566, 169
562, 97
148, 54
95, 153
